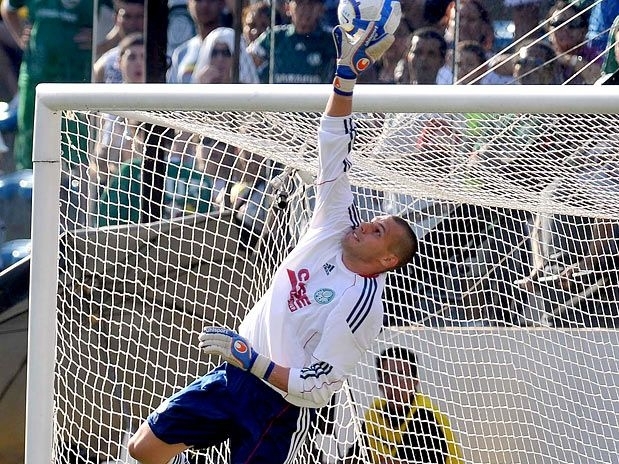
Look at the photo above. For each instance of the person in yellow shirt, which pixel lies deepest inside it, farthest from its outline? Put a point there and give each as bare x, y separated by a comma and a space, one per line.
404, 425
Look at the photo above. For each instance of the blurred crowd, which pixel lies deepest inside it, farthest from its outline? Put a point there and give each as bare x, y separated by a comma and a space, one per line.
438, 42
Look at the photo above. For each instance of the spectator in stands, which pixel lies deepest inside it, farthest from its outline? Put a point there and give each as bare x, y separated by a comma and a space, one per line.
536, 65
206, 15
574, 278
526, 15
404, 425
187, 188
471, 63
425, 57
502, 64
120, 201
577, 61
610, 74
425, 13
132, 59
474, 67
115, 149
256, 18
222, 166
303, 49
602, 17
181, 27
249, 197
214, 64
57, 44
384, 70
114, 141
10, 57
474, 25
128, 19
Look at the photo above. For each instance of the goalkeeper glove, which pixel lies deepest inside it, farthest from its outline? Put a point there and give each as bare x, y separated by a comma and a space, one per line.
355, 54
236, 350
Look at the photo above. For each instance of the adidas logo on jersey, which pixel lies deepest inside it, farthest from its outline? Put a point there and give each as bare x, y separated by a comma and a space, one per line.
328, 267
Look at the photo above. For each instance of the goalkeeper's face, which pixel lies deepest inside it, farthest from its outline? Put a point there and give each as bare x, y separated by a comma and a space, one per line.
371, 244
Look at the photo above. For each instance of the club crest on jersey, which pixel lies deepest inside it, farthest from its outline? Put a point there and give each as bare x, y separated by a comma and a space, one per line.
324, 295
298, 298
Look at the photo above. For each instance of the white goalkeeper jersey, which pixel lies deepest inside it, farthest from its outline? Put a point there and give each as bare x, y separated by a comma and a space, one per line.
318, 317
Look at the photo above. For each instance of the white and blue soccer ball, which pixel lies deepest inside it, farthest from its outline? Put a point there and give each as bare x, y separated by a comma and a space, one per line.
355, 15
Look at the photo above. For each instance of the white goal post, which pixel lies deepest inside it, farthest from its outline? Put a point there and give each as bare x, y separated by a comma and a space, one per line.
525, 374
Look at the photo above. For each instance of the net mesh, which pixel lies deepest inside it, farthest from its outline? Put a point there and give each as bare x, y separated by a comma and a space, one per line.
172, 221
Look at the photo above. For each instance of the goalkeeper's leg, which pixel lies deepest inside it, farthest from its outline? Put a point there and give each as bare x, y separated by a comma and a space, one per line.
145, 447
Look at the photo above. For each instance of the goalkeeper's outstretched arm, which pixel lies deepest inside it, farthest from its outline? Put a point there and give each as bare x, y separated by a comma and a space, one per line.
313, 385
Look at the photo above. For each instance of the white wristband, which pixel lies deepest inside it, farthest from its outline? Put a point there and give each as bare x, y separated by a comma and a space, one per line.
262, 367
343, 86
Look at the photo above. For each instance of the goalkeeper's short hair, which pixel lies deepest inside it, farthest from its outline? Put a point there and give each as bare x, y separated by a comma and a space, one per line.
405, 250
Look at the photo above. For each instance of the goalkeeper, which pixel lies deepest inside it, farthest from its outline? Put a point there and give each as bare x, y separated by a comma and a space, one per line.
308, 331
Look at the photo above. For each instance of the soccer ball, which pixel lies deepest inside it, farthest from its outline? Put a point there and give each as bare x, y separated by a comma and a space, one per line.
355, 15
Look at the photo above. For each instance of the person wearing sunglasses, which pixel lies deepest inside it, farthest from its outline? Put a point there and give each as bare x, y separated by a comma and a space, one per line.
215, 60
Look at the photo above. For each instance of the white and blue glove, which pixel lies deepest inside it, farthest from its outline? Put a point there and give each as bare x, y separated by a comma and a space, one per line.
355, 54
236, 350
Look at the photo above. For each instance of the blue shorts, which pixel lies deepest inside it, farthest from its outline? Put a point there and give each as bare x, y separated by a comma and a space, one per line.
229, 403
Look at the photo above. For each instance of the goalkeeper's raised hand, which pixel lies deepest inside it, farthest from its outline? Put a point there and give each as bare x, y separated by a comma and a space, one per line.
236, 350
355, 54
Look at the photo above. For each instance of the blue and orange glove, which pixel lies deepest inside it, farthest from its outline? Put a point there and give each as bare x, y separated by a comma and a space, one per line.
236, 350
355, 54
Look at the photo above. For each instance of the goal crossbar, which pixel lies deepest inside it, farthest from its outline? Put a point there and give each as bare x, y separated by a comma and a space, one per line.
312, 97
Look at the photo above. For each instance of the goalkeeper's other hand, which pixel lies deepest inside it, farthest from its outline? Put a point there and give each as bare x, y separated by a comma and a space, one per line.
357, 53
236, 350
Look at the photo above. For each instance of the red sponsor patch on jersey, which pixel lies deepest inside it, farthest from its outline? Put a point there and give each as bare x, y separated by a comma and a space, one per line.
298, 292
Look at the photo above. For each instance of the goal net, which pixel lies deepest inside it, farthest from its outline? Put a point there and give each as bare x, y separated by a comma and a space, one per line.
174, 205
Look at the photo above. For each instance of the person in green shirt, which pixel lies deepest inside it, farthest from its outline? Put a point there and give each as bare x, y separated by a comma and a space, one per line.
187, 187
57, 43
120, 201
303, 49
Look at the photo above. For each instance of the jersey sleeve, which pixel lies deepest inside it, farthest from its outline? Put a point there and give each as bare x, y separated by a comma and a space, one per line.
334, 199
349, 332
